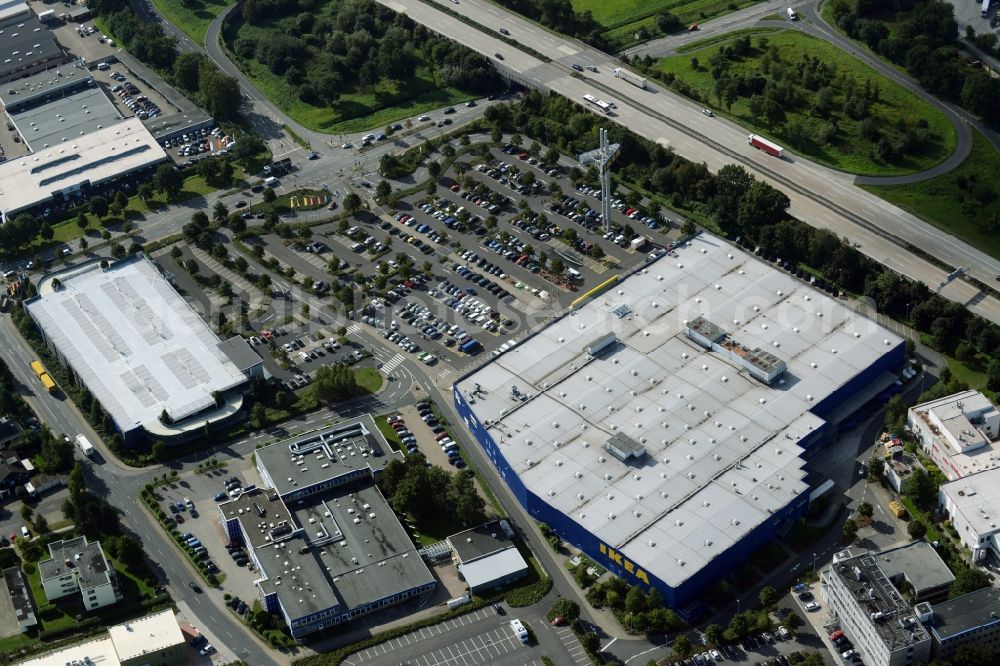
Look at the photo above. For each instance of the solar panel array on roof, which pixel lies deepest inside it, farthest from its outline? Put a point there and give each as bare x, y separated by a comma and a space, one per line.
159, 355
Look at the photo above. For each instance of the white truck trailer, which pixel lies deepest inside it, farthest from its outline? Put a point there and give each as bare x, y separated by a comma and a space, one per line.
634, 79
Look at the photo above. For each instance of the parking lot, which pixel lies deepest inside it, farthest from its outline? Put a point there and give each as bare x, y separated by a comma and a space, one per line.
193, 502
479, 637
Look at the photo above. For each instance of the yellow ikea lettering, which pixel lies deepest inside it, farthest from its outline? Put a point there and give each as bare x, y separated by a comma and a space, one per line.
629, 566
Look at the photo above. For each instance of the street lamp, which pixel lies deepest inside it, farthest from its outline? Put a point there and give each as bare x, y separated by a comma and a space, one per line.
814, 563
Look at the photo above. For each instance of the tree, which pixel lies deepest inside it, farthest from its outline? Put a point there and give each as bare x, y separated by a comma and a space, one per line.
768, 596
920, 489
221, 93
269, 195
382, 190
159, 452
973, 654
98, 205
876, 467
635, 600
145, 191
682, 647
866, 510
219, 211
168, 180
850, 529
334, 384
713, 635
916, 529
46, 231
81, 220
968, 580
467, 504
434, 169
186, 70
352, 203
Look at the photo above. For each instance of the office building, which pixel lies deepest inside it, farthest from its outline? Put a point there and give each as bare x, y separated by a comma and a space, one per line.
76, 566
917, 571
958, 432
972, 503
881, 625
970, 618
662, 427
157, 370
326, 544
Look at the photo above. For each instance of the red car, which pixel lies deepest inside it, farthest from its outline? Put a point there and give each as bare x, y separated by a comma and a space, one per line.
522, 156
455, 188
559, 621
398, 425
267, 335
440, 436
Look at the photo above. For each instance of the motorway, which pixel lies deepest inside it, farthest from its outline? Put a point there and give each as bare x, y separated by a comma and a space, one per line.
820, 196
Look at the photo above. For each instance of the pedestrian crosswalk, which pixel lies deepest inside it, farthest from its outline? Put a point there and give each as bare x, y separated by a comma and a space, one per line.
392, 363
353, 328
444, 373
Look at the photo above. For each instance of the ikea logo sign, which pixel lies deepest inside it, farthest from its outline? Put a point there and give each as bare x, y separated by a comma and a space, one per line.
628, 565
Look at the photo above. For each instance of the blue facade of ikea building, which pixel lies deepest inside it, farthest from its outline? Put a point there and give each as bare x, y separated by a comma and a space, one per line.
686, 594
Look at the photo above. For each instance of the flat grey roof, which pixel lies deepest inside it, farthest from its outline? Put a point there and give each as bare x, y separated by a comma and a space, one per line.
977, 497
44, 84
918, 563
25, 43
66, 119
722, 447
320, 456
239, 351
480, 541
157, 355
83, 557
357, 552
969, 611
263, 514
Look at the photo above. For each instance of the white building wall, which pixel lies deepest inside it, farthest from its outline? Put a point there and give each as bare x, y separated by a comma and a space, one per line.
98, 597
61, 586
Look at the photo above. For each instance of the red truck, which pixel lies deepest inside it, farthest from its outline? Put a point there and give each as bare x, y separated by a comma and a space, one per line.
769, 147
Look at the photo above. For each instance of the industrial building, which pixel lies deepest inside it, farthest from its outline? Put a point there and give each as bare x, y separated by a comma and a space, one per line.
958, 432
662, 427
13, 11
158, 371
153, 640
26, 46
76, 566
883, 627
72, 169
972, 504
970, 618
326, 544
487, 557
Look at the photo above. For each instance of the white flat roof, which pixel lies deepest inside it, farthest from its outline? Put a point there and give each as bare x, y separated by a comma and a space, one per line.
134, 342
146, 635
486, 570
977, 497
94, 158
722, 447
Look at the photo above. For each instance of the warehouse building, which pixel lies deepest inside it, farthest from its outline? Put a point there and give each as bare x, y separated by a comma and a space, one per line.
662, 427
959, 432
883, 627
972, 504
77, 167
13, 11
27, 47
487, 557
158, 372
327, 545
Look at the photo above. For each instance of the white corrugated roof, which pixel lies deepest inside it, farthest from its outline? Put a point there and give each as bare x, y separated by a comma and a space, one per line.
722, 447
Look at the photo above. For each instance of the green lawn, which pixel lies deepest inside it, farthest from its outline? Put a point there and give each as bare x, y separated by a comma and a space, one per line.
894, 110
369, 379
191, 16
623, 18
963, 202
387, 431
354, 112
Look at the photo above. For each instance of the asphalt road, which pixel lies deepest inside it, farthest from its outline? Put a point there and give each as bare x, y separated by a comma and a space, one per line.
820, 196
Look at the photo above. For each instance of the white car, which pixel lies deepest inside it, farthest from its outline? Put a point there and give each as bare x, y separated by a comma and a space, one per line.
207, 650
347, 145
424, 118
812, 606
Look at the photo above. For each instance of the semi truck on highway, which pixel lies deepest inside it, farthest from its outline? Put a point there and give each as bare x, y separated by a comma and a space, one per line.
769, 147
85, 446
634, 79
43, 376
